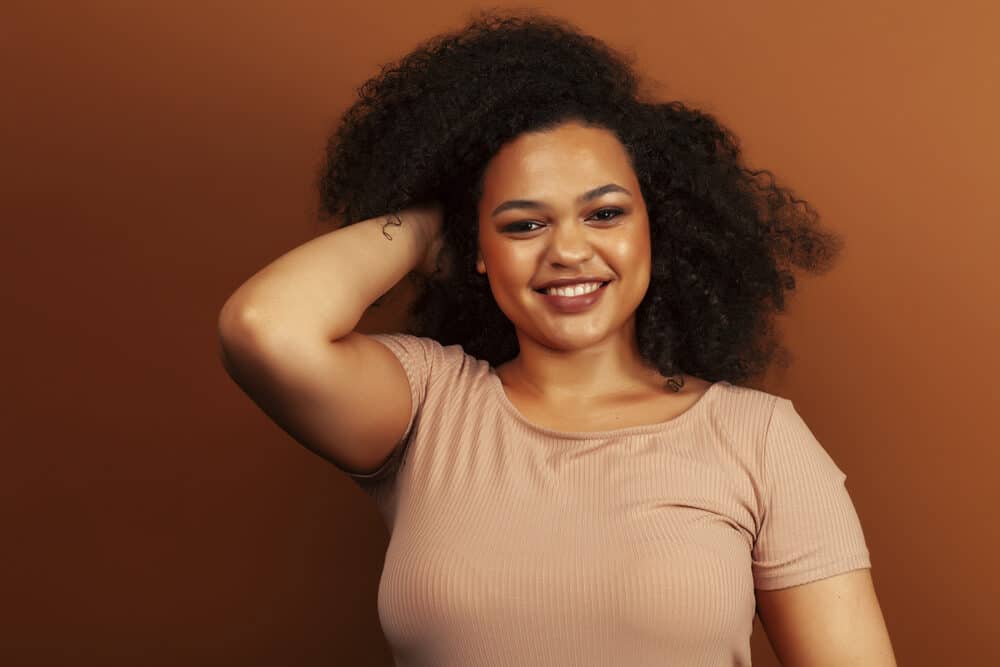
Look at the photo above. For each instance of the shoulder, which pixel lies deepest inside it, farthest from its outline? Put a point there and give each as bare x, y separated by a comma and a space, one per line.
740, 419
430, 362
743, 408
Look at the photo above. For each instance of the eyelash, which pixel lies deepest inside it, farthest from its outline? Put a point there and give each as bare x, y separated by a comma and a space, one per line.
510, 228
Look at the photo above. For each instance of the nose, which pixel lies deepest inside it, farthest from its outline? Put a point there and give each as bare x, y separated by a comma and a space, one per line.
569, 244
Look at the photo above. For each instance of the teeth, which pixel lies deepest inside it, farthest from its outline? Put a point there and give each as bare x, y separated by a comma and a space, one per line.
573, 290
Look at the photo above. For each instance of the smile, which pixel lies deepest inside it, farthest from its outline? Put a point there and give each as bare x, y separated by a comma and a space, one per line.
575, 302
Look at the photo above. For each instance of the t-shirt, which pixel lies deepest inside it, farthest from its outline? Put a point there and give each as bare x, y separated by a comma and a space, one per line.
512, 544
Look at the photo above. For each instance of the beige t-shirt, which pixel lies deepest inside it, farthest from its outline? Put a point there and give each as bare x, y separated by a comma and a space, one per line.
517, 545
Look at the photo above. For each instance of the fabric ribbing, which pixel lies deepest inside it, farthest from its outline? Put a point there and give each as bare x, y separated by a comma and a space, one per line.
515, 544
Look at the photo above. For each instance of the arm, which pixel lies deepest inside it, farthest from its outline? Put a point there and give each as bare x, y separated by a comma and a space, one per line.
321, 289
833, 622
287, 339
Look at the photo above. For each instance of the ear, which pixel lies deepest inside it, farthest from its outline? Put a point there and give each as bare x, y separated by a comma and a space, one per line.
480, 264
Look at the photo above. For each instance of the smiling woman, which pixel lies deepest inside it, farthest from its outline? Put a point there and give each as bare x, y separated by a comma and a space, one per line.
582, 235
436, 126
569, 470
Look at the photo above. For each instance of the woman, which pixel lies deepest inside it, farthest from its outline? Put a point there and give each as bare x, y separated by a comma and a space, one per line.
569, 470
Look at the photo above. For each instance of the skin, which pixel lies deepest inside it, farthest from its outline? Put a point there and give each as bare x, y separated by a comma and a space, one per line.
570, 363
833, 622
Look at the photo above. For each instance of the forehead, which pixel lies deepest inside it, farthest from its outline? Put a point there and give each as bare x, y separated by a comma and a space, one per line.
564, 161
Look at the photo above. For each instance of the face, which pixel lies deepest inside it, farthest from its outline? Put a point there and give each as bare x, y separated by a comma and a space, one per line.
564, 203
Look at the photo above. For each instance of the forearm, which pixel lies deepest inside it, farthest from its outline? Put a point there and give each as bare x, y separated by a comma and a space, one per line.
324, 286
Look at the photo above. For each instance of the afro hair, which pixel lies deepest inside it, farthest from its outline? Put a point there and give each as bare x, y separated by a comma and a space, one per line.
724, 238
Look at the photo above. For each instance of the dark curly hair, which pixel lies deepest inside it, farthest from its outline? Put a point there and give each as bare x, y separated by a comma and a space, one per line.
723, 237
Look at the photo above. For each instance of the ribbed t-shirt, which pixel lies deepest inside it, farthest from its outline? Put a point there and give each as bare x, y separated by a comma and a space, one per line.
516, 545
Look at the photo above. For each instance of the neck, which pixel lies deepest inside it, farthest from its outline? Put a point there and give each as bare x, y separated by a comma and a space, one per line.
596, 373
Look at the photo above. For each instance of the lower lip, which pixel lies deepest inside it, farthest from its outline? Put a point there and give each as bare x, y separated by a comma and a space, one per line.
573, 304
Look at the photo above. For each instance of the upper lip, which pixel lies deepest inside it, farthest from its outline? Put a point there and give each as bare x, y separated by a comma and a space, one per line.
572, 281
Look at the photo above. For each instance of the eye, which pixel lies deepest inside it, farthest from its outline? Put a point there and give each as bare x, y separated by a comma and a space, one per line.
516, 227
603, 215
608, 213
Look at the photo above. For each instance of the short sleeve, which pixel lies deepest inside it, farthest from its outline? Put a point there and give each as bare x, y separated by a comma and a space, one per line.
415, 354
808, 528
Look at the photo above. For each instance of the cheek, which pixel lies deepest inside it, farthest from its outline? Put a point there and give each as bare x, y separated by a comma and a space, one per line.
513, 262
631, 251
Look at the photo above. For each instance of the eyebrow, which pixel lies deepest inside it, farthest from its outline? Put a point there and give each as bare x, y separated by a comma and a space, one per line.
585, 197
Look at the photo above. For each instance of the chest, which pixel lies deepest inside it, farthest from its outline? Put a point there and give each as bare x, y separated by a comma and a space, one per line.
588, 557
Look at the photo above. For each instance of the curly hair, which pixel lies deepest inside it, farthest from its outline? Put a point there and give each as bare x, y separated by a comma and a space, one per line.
724, 238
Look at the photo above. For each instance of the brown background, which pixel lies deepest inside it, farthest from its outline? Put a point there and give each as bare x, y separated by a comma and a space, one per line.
155, 155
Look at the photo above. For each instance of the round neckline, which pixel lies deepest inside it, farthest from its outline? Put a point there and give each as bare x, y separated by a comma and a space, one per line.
692, 411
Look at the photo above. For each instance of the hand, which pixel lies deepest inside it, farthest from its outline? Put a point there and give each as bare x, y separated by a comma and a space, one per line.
428, 218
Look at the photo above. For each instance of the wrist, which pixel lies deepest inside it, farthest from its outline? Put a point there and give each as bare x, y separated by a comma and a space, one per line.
426, 222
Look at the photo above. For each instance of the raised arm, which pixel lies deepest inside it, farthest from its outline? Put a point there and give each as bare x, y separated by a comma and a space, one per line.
287, 337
